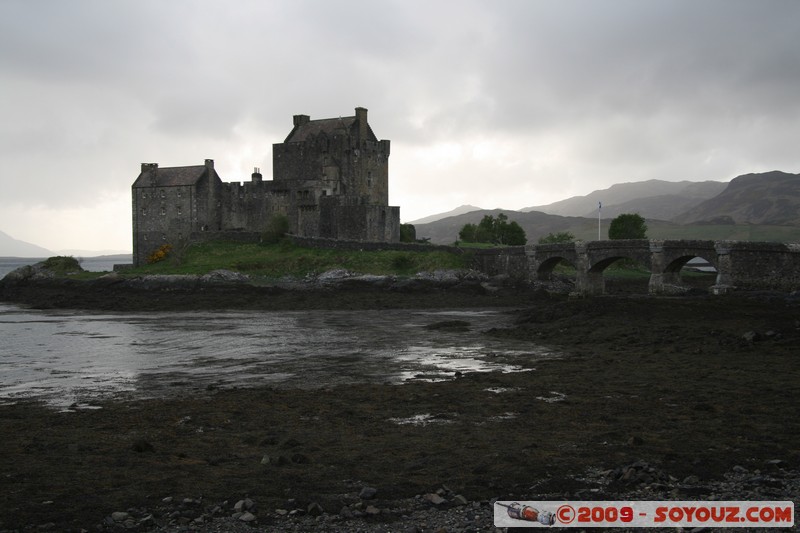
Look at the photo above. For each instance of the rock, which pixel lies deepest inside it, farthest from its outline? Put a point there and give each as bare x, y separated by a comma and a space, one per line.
247, 517
458, 499
276, 460
346, 512
301, 459
739, 469
224, 276
751, 336
244, 505
435, 499
371, 510
334, 275
119, 516
367, 493
314, 509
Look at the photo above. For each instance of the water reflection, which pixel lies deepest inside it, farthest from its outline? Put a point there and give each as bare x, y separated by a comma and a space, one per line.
67, 357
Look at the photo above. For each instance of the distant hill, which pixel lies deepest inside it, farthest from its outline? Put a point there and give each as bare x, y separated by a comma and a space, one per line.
767, 198
762, 206
656, 199
457, 211
11, 247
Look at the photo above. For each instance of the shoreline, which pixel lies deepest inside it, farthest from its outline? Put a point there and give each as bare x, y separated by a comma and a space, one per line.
179, 293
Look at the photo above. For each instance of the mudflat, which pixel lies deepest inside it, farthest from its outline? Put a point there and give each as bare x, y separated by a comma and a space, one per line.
666, 394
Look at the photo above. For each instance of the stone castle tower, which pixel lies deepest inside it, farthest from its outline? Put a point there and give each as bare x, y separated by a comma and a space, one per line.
330, 179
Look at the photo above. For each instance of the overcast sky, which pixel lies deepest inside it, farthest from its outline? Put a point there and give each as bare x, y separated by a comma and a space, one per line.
492, 103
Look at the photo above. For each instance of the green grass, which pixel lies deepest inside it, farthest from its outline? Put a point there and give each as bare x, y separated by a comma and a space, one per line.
284, 259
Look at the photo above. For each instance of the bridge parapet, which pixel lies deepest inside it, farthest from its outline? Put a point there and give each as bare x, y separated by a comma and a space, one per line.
739, 264
761, 265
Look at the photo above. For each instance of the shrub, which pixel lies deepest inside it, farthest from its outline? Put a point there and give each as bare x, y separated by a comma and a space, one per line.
408, 233
554, 238
63, 263
276, 229
403, 262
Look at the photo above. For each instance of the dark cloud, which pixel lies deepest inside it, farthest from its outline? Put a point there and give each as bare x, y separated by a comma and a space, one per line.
559, 98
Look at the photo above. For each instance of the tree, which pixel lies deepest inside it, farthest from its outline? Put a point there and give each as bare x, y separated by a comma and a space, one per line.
408, 233
511, 234
555, 238
494, 230
628, 226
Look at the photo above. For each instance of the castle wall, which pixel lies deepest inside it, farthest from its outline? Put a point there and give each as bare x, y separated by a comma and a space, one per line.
331, 182
162, 215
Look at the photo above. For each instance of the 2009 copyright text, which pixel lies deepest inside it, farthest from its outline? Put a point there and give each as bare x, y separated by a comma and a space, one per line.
643, 514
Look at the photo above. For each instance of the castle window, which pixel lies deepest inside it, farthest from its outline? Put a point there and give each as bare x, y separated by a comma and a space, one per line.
144, 212
180, 210
179, 193
163, 194
163, 212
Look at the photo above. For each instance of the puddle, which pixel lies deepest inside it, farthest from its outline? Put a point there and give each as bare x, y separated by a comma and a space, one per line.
66, 358
555, 397
424, 419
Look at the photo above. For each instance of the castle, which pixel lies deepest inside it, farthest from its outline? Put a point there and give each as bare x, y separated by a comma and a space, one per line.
330, 179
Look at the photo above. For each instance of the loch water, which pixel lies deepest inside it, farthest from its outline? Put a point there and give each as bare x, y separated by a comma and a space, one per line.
66, 357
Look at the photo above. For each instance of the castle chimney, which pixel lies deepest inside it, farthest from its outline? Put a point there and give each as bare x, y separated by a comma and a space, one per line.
256, 177
152, 168
210, 164
361, 118
299, 120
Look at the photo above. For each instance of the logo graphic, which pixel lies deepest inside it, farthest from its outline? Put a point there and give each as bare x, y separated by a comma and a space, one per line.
529, 514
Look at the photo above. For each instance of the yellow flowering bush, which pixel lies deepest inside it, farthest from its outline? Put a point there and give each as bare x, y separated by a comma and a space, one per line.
160, 254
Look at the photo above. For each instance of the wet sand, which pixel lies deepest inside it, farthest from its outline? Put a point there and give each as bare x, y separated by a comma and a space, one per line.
693, 386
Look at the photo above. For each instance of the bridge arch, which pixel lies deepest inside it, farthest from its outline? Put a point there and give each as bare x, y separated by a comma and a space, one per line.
669, 258
544, 258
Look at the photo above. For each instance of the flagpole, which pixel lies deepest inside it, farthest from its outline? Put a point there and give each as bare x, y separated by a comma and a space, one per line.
599, 209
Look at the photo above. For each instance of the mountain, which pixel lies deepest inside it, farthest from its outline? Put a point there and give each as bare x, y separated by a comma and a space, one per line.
11, 247
758, 207
766, 198
656, 199
457, 211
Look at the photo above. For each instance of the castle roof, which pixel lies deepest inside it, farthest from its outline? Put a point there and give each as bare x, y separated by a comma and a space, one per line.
328, 126
170, 176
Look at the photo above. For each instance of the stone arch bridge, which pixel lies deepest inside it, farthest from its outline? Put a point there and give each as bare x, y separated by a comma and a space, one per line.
739, 264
